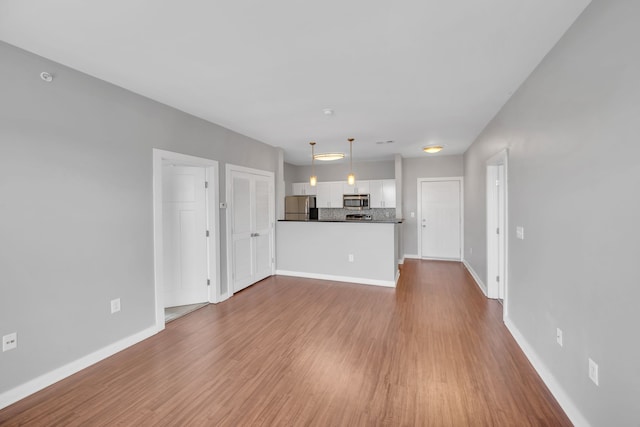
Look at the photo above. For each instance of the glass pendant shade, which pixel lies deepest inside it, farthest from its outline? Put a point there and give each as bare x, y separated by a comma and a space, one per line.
313, 179
351, 178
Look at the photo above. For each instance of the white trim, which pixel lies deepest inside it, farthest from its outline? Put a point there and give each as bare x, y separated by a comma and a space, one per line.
213, 224
411, 256
475, 276
460, 179
20, 392
374, 282
552, 384
427, 258
229, 169
211, 172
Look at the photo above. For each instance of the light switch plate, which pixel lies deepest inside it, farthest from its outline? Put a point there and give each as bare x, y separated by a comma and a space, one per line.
520, 232
115, 305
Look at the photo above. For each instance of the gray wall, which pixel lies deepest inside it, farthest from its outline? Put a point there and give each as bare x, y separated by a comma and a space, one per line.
421, 167
572, 133
76, 208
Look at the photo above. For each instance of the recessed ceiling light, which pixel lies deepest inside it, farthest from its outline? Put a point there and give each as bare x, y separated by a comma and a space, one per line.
327, 157
431, 149
47, 77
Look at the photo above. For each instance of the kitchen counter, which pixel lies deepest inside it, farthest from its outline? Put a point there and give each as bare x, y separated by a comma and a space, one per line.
357, 251
359, 221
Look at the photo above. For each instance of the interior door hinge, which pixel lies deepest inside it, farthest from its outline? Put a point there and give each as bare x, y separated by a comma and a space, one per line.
497, 278
497, 183
206, 184
497, 230
208, 282
207, 234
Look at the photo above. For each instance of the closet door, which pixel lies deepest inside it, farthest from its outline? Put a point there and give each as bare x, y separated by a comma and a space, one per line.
251, 214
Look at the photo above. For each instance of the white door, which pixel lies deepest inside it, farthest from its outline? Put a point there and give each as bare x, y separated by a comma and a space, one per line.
496, 230
501, 232
440, 222
251, 228
184, 235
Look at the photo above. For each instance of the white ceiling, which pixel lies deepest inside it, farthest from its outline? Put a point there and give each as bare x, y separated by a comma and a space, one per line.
417, 72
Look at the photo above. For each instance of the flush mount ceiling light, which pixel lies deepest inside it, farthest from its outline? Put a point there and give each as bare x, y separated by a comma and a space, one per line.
328, 112
327, 157
313, 179
432, 149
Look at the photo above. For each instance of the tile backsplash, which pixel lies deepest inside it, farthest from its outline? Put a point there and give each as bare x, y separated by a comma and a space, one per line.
340, 214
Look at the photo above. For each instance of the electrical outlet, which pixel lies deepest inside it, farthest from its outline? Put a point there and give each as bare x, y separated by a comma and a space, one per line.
559, 336
593, 371
115, 305
520, 232
10, 341
350, 257
413, 214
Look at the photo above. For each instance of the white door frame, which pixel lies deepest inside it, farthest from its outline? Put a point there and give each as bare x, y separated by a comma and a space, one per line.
213, 224
493, 287
419, 199
229, 169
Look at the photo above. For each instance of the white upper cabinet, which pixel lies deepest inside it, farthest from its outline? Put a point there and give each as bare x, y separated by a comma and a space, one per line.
361, 187
303, 189
383, 193
329, 195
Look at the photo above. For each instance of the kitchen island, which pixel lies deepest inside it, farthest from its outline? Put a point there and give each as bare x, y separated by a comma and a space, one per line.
364, 252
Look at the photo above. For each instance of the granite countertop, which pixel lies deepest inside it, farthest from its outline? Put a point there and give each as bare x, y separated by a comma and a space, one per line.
366, 221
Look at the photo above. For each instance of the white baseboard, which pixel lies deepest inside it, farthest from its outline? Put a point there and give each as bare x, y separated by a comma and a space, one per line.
411, 256
475, 276
11, 396
374, 282
552, 384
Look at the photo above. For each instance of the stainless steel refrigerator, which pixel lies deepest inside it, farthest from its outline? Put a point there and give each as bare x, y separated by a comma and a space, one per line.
300, 208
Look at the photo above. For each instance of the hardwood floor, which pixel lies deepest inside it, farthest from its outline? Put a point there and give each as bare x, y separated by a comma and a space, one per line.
290, 351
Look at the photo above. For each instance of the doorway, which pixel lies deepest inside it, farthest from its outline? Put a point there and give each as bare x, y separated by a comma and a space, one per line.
250, 226
186, 233
497, 226
440, 218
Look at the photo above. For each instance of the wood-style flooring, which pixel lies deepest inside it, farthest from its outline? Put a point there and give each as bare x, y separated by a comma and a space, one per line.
303, 352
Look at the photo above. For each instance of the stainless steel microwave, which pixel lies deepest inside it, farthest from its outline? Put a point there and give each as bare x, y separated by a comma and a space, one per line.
355, 201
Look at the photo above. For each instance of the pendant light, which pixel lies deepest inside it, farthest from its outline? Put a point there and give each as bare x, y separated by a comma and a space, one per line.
313, 179
351, 178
